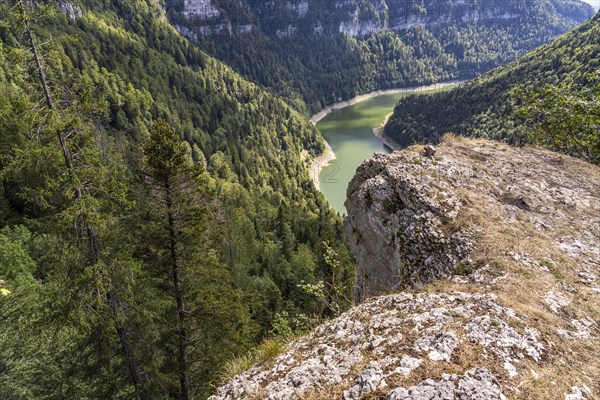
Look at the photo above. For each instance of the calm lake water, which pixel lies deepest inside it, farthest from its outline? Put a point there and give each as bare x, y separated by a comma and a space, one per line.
349, 131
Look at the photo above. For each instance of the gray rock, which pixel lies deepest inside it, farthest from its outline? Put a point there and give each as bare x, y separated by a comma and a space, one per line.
366, 382
475, 384
390, 336
410, 217
394, 208
413, 219
429, 151
556, 300
438, 346
578, 393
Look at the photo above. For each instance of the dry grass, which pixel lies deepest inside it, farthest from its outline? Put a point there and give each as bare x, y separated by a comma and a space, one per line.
568, 362
235, 366
329, 392
264, 353
560, 372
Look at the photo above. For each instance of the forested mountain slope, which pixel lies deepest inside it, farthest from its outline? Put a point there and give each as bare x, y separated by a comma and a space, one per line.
131, 266
486, 106
321, 52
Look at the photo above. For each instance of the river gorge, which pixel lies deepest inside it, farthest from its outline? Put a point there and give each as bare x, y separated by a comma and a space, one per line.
348, 128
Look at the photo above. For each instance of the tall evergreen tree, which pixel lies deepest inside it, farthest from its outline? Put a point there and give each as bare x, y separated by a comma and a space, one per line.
182, 235
98, 318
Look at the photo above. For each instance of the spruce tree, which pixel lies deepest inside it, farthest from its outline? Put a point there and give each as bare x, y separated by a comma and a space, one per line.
204, 317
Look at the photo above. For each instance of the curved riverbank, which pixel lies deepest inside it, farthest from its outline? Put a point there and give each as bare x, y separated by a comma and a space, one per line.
321, 161
336, 106
389, 142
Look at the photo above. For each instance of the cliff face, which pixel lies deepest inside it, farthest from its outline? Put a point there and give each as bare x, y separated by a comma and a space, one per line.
508, 238
399, 224
357, 18
315, 53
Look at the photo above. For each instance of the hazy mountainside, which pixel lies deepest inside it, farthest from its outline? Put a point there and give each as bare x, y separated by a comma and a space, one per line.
485, 107
355, 18
495, 249
98, 202
322, 52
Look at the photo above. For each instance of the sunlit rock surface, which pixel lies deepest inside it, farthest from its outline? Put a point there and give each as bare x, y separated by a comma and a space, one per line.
507, 306
355, 18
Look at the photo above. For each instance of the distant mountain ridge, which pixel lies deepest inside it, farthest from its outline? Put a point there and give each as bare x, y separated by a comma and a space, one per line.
316, 53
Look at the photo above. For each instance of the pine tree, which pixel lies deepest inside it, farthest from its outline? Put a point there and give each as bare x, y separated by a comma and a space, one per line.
182, 236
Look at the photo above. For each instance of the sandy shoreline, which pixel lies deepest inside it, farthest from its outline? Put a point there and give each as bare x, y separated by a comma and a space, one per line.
379, 130
322, 160
319, 162
379, 133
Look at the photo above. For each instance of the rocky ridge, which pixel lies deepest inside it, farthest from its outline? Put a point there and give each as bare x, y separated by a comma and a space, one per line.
501, 296
431, 214
395, 203
377, 346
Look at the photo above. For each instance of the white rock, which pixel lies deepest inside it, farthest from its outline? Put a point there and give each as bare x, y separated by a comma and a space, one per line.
556, 300
475, 384
534, 374
203, 9
329, 356
510, 369
577, 393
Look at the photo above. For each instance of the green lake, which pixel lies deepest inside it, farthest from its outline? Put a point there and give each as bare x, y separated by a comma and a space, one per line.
349, 132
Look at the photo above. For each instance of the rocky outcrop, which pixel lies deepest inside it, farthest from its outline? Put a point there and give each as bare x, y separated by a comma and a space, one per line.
376, 348
416, 215
202, 9
71, 10
509, 241
398, 225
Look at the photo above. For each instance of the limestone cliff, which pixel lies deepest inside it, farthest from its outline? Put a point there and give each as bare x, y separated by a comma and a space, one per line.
399, 223
356, 18
496, 251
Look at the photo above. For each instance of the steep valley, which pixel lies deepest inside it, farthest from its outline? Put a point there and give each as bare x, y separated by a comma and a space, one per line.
161, 237
85, 230
349, 131
316, 53
488, 105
